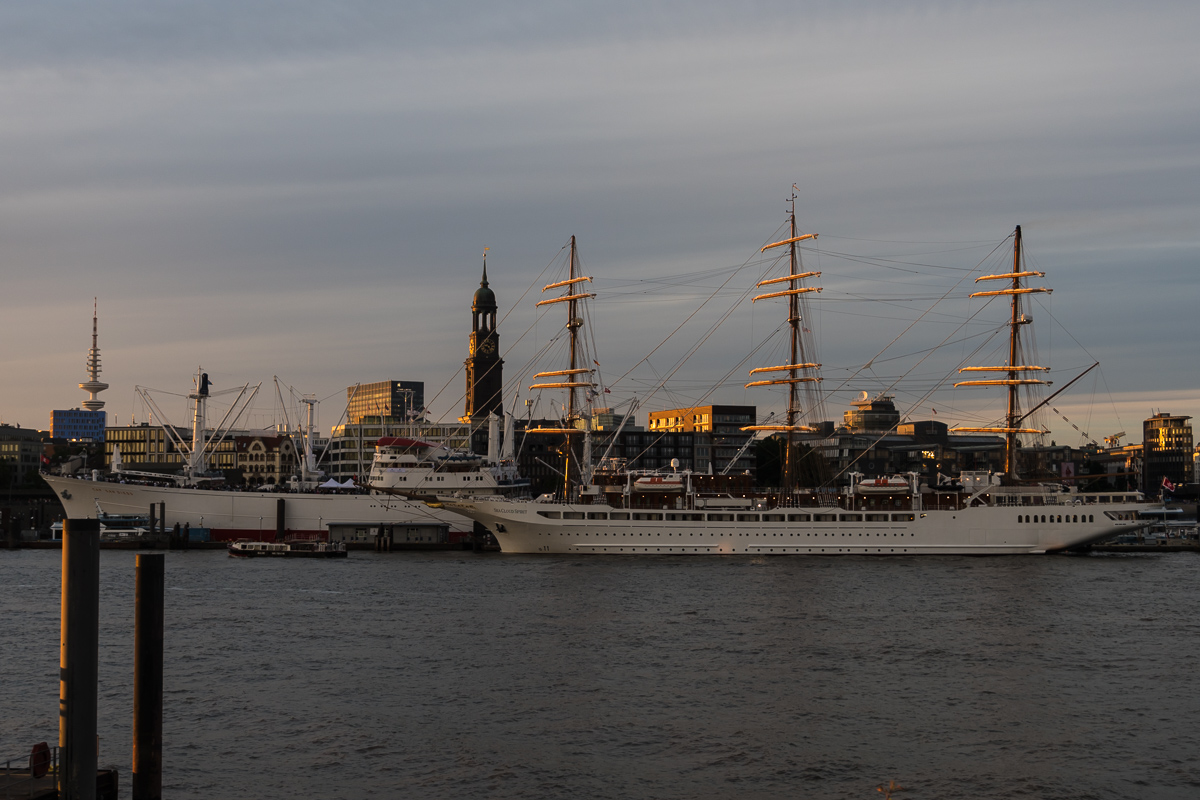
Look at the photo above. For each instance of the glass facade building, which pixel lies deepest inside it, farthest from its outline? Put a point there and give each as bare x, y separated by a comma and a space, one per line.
385, 399
77, 425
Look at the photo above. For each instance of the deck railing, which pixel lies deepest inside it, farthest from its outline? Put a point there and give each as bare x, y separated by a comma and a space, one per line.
19, 779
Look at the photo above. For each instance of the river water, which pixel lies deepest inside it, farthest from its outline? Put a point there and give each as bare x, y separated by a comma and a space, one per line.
462, 675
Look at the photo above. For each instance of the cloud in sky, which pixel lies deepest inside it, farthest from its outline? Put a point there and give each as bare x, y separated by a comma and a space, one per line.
304, 189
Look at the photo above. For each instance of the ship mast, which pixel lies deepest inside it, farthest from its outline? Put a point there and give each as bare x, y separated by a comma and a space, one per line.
573, 324
797, 369
1012, 415
574, 377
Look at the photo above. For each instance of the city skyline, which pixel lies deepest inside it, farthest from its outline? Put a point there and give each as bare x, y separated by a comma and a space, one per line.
307, 193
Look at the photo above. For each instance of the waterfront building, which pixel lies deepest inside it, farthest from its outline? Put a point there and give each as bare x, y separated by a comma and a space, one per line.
260, 457
872, 414
717, 435
1167, 451
398, 400
606, 419
22, 452
153, 449
265, 460
925, 447
77, 425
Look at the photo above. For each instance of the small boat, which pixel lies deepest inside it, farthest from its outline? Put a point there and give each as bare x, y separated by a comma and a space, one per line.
896, 483
247, 549
658, 483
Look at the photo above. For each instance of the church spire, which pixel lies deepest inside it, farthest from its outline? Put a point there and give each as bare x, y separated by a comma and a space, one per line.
483, 365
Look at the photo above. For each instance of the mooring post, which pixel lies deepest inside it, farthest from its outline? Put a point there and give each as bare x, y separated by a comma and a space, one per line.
148, 677
78, 663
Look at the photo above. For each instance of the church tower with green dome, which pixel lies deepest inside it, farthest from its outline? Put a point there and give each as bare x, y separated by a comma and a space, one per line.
483, 365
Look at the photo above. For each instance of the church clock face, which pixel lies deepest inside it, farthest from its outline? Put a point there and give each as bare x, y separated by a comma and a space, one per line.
487, 347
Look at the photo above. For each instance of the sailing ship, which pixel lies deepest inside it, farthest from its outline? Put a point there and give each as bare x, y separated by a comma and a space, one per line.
618, 511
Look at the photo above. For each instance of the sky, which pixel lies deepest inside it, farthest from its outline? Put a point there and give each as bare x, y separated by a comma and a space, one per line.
305, 190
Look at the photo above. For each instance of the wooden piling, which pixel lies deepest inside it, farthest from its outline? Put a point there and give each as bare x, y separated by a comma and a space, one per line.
148, 677
79, 659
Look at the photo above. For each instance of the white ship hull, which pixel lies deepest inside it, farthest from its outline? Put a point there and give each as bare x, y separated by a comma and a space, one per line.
233, 515
522, 527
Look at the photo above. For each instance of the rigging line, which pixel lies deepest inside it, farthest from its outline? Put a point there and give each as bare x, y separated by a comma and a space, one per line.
915, 405
1086, 435
988, 333
927, 395
512, 308
713, 329
595, 352
887, 263
1050, 314
517, 341
1056, 394
736, 367
925, 313
159, 391
688, 318
671, 280
1112, 401
978, 243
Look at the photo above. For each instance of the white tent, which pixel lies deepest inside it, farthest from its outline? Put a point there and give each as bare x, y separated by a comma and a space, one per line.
330, 484
349, 484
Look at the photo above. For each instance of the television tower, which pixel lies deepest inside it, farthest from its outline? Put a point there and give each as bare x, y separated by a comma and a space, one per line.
94, 386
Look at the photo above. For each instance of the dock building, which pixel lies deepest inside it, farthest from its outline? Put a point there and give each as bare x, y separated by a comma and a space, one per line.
716, 435
1167, 451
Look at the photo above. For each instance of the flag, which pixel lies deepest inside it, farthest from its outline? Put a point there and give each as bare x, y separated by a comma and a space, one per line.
1166, 484
44, 459
607, 390
934, 409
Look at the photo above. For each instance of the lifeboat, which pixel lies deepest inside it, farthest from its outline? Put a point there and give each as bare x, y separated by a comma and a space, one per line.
656, 483
895, 483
